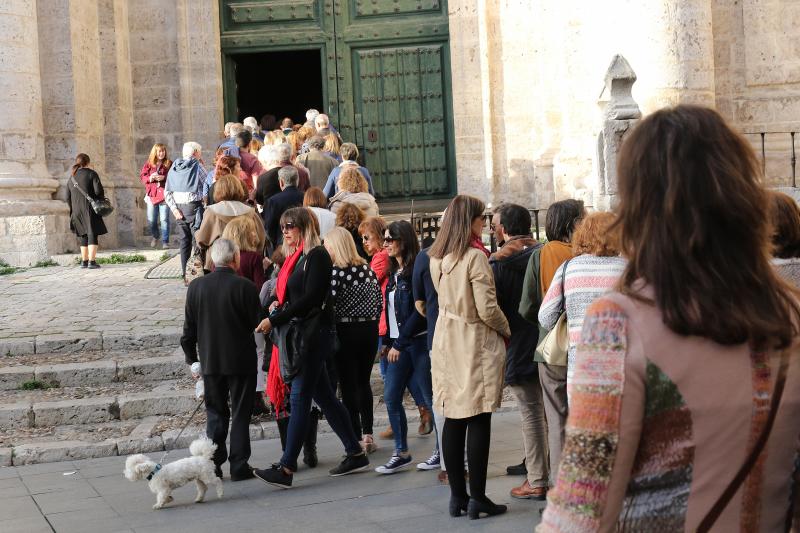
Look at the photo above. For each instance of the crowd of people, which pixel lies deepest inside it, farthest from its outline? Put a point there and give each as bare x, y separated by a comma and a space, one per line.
675, 404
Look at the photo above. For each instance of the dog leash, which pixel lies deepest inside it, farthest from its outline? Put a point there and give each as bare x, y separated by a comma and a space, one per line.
166, 452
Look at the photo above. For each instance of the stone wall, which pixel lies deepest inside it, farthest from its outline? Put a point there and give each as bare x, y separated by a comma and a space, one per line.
757, 69
537, 68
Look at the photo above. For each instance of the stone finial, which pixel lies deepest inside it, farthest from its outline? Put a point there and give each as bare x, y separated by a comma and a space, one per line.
616, 95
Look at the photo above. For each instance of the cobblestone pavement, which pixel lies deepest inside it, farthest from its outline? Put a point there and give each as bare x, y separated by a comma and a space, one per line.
51, 309
91, 495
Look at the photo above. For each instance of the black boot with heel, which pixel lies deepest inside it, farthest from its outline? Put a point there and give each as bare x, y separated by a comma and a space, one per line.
476, 507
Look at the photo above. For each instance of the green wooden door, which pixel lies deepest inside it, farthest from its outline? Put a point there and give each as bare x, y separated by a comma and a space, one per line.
387, 79
250, 26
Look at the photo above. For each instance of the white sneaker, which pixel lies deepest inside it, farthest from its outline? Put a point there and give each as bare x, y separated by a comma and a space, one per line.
395, 464
432, 463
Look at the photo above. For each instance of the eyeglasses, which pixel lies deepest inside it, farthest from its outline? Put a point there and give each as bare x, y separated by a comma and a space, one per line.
288, 226
389, 239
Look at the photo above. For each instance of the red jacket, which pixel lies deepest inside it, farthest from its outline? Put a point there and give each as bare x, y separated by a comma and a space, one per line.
155, 189
380, 265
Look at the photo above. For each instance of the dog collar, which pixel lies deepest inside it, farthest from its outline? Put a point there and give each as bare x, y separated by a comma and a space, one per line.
154, 472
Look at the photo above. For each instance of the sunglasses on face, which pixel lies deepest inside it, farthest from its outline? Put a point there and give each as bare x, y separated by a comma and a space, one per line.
365, 238
389, 239
288, 226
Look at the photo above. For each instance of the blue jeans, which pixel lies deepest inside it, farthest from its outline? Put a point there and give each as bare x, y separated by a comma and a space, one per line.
413, 370
163, 216
413, 388
312, 383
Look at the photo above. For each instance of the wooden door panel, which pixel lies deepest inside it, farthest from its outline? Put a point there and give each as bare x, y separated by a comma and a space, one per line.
400, 99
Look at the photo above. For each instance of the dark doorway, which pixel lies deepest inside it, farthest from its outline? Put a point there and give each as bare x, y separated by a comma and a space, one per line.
284, 84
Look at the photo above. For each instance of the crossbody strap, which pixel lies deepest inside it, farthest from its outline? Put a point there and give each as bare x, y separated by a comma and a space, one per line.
75, 183
563, 284
752, 457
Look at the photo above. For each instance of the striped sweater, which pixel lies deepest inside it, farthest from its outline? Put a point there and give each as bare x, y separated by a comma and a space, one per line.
588, 278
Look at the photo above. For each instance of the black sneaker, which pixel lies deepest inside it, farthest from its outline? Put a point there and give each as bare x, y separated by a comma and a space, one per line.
84, 264
93, 265
274, 476
351, 464
243, 474
517, 470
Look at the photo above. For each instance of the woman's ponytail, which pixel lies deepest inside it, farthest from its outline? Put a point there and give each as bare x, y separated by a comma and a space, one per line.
81, 160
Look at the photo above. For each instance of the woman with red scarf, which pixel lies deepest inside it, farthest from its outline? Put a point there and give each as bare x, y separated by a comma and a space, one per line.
303, 285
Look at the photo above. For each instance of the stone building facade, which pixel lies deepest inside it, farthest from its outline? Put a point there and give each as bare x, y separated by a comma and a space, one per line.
112, 77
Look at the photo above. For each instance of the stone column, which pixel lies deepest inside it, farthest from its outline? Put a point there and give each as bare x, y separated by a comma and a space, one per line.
620, 113
33, 225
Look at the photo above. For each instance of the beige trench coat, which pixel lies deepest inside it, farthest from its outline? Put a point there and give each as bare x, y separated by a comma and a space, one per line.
469, 354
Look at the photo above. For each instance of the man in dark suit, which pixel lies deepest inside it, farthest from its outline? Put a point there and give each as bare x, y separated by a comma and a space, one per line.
290, 196
222, 312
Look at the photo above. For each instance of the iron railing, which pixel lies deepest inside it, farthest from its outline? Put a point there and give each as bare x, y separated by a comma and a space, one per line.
761, 136
427, 226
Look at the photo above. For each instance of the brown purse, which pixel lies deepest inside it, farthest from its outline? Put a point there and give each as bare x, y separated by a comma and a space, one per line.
723, 501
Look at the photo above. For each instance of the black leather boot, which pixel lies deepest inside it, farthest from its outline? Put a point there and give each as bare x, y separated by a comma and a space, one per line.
310, 444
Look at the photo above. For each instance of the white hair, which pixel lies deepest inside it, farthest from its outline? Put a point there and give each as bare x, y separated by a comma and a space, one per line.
223, 252
189, 149
284, 152
289, 176
228, 129
322, 121
251, 124
268, 154
311, 114
236, 129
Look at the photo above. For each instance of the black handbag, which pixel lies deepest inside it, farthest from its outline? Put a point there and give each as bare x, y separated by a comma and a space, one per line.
101, 207
295, 340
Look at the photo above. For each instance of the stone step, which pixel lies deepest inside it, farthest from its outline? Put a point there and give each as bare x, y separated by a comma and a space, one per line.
89, 405
103, 371
152, 435
79, 342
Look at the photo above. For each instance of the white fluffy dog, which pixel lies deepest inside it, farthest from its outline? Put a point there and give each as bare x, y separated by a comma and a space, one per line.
163, 479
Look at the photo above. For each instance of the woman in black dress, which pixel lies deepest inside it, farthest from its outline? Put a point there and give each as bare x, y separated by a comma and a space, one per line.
83, 221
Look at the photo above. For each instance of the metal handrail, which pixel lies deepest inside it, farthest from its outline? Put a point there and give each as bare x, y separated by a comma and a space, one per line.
792, 159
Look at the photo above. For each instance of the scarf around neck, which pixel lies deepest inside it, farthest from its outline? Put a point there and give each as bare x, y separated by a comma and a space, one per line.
276, 388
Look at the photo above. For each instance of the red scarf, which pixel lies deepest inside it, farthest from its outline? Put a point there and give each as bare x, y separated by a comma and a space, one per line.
476, 242
276, 388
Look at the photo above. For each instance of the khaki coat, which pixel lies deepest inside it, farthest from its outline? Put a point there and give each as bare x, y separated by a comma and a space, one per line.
469, 354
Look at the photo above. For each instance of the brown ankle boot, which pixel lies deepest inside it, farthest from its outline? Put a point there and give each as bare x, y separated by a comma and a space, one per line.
425, 420
386, 433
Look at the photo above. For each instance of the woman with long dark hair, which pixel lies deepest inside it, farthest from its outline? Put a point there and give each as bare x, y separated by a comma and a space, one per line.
468, 353
83, 221
405, 343
685, 403
302, 291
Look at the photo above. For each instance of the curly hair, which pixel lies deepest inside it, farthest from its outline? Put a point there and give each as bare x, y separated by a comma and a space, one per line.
351, 180
349, 216
228, 165
597, 235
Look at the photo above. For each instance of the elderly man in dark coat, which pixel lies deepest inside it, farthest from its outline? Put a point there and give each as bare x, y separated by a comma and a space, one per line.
222, 311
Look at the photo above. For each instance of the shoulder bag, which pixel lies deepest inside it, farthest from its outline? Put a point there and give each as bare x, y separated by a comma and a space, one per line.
101, 207
554, 346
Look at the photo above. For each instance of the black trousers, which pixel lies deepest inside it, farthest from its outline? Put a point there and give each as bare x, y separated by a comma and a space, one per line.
354, 362
192, 214
86, 240
477, 432
241, 390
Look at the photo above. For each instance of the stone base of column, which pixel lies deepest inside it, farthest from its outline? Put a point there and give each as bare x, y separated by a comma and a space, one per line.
34, 231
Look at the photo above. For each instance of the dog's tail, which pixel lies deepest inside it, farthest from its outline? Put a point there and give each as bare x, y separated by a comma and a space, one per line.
203, 447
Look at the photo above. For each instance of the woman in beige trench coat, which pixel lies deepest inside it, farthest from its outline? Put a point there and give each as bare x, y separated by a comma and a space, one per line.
468, 355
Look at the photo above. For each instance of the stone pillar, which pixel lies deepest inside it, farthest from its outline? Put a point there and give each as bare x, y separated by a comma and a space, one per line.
33, 225
621, 113
117, 93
